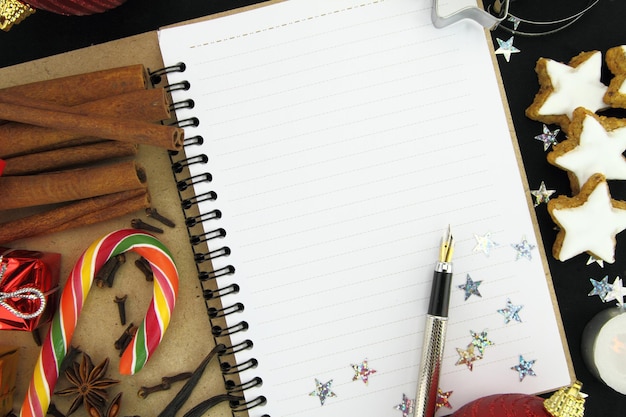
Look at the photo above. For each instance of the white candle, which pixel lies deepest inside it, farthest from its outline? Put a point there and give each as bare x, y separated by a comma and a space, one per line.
604, 347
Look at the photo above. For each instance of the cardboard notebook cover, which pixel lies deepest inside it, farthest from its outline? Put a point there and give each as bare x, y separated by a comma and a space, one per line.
189, 337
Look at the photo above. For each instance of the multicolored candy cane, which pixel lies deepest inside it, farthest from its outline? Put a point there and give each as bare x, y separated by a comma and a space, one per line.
149, 333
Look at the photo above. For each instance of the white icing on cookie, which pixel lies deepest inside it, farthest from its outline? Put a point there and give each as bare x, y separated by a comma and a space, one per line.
592, 226
598, 151
575, 87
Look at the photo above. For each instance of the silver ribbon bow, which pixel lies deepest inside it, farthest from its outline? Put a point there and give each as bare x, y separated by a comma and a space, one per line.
28, 293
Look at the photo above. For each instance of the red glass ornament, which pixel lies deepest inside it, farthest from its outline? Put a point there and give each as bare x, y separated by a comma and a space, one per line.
566, 402
75, 7
504, 405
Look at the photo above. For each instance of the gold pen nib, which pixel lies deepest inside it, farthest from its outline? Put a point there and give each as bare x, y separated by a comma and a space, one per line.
447, 246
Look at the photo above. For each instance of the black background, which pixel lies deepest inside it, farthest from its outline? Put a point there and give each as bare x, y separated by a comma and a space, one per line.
44, 34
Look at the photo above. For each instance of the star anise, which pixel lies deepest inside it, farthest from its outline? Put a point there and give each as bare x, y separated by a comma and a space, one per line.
89, 384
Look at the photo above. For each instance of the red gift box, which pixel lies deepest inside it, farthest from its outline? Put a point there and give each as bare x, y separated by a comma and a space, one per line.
29, 283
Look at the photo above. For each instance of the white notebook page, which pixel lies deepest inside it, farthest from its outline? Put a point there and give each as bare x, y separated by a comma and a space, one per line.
343, 137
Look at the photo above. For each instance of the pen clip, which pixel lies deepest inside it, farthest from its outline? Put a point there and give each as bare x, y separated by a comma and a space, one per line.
485, 19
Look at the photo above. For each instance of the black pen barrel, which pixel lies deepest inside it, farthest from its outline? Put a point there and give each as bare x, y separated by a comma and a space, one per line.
440, 292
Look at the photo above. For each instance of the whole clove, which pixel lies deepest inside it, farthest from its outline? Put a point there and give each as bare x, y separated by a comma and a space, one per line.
140, 224
142, 264
152, 212
127, 335
121, 306
126, 339
106, 274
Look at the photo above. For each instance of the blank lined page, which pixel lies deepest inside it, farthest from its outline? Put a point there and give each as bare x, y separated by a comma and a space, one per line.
343, 137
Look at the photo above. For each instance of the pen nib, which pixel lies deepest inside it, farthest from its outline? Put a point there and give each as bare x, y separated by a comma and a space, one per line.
447, 246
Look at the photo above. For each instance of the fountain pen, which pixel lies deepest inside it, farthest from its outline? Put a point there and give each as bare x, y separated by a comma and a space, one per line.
435, 331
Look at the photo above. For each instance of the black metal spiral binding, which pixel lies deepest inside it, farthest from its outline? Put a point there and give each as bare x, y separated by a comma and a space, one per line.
182, 185
228, 369
231, 350
211, 255
215, 313
181, 86
232, 387
210, 294
189, 202
155, 76
217, 310
211, 215
185, 104
219, 331
213, 274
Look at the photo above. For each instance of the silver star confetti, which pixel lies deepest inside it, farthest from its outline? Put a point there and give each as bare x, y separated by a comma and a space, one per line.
323, 391
362, 371
616, 292
593, 259
524, 368
542, 195
511, 312
548, 137
523, 249
600, 288
480, 341
484, 243
515, 21
506, 48
406, 406
470, 287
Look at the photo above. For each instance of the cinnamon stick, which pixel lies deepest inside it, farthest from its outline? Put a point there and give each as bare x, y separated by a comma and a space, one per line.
81, 88
126, 130
18, 138
76, 214
150, 105
67, 157
75, 184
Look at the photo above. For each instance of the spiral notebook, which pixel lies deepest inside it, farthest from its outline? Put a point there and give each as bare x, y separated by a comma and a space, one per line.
328, 146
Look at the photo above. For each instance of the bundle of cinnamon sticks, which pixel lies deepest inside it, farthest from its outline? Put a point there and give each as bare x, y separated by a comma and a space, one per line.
70, 142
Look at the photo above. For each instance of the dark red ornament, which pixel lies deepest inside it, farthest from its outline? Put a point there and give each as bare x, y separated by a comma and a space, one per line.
75, 7
504, 405
566, 402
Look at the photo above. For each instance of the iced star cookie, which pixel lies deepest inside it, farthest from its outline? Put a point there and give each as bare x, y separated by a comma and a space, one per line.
615, 95
595, 144
563, 88
588, 222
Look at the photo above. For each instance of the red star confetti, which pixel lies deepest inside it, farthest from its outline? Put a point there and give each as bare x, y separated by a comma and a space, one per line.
443, 399
406, 406
362, 371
